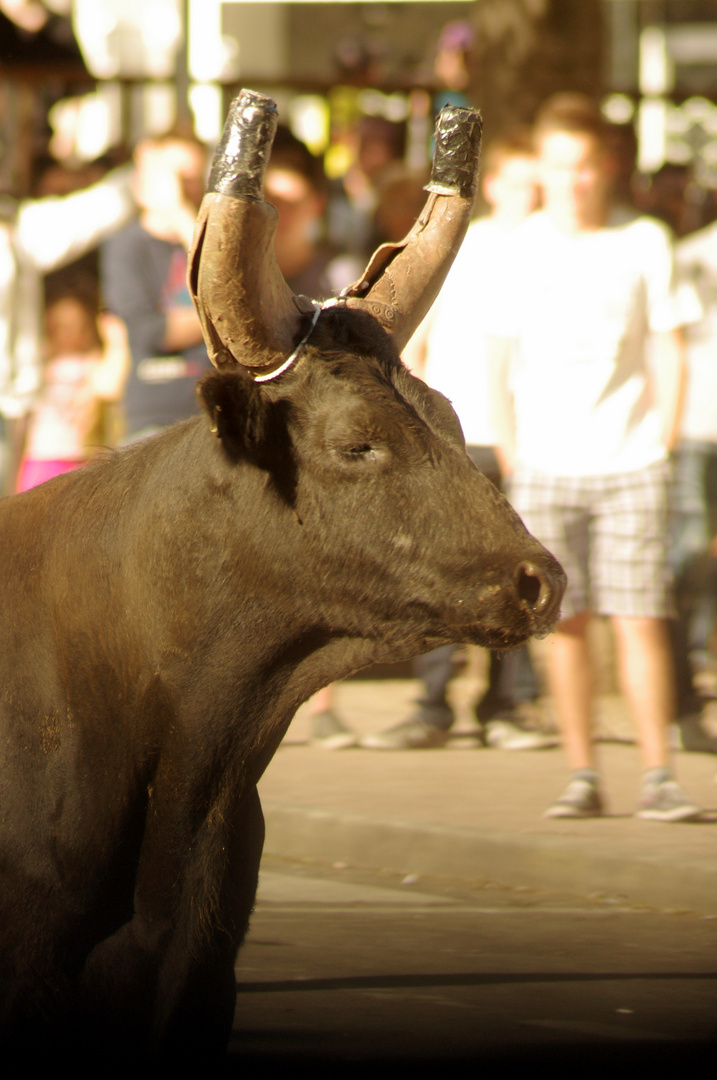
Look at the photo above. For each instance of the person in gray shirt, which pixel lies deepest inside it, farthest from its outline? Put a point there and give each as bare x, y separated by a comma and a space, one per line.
143, 276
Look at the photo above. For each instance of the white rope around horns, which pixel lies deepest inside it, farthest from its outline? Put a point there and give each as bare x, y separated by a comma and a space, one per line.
318, 308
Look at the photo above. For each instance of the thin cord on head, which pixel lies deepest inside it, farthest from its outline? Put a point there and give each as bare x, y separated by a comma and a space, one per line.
318, 308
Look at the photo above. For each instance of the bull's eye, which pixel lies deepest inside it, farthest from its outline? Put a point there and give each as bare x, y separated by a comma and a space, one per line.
359, 454
360, 450
355, 447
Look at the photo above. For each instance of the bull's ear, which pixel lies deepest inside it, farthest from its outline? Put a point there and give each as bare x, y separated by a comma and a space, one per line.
238, 410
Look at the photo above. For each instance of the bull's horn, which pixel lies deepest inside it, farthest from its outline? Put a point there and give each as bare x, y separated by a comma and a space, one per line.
249, 314
402, 280
247, 311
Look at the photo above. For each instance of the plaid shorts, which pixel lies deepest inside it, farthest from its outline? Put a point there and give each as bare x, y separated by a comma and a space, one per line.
610, 534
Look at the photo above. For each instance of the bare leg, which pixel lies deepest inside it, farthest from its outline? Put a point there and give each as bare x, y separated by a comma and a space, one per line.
322, 700
647, 680
570, 682
327, 729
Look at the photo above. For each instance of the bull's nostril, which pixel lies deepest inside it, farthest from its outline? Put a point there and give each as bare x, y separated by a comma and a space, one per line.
533, 588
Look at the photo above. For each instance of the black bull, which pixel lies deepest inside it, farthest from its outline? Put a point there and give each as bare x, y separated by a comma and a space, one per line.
165, 612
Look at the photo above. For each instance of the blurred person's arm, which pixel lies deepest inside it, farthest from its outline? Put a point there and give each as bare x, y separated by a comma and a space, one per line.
667, 313
182, 329
168, 214
53, 231
499, 358
109, 376
670, 373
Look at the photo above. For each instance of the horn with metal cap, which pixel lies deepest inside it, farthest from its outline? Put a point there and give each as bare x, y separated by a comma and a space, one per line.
402, 280
249, 314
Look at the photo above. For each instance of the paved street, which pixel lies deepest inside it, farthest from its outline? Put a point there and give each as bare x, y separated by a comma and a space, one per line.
476, 814
345, 968
416, 907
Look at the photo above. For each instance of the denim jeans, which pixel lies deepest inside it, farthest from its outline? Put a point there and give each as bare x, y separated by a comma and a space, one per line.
692, 528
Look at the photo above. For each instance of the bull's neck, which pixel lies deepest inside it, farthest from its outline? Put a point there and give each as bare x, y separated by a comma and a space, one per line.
289, 680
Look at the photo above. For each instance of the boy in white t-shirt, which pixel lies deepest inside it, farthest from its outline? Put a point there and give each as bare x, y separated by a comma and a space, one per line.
585, 431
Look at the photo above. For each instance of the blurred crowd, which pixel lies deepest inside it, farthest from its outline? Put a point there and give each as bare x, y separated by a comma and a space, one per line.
576, 336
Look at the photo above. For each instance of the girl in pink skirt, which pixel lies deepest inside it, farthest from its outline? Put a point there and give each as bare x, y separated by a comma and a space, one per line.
85, 368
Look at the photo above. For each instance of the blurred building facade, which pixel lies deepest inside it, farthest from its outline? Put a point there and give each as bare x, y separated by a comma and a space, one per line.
141, 64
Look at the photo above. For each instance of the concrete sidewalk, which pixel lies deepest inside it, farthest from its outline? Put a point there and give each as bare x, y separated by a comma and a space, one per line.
473, 814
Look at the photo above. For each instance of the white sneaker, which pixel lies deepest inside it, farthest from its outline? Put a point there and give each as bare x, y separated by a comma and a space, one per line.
509, 735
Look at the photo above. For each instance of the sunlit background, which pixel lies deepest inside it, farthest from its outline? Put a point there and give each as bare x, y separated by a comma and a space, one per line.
82, 78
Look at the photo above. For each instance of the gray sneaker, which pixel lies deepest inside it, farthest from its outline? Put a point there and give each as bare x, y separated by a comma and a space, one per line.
330, 733
503, 734
413, 734
667, 801
581, 799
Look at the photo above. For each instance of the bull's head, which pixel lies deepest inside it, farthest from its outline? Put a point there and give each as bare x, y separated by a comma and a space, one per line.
249, 315
314, 401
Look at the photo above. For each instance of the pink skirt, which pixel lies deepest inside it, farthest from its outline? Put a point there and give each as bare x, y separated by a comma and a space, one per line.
34, 472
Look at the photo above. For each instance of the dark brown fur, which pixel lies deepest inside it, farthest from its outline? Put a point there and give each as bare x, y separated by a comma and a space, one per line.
165, 611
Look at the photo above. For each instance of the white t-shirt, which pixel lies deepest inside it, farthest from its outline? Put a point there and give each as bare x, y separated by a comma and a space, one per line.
697, 273
579, 309
456, 345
